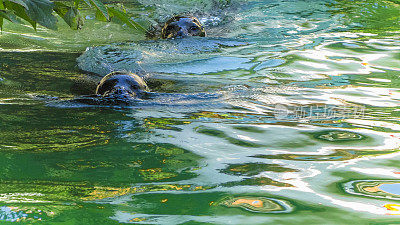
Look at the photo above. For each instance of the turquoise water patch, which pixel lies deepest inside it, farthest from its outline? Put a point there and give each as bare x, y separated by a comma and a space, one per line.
190, 55
203, 66
374, 188
269, 63
256, 204
23, 214
391, 188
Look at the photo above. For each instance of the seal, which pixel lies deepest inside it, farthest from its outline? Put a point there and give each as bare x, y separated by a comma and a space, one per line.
122, 85
182, 26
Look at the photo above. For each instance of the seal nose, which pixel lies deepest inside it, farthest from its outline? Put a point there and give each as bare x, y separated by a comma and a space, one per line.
182, 33
122, 92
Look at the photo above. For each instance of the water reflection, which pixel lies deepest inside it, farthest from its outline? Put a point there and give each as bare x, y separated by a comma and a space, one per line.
109, 194
257, 181
164, 56
370, 15
221, 134
250, 169
256, 204
338, 155
340, 136
182, 158
23, 214
374, 188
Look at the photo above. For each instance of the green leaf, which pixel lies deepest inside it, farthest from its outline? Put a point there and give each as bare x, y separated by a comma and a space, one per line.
1, 23
100, 16
70, 18
60, 8
73, 19
69, 14
19, 2
41, 11
21, 13
123, 17
101, 7
6, 15
88, 3
76, 3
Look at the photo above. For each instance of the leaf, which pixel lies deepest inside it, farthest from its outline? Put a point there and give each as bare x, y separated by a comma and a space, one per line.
19, 2
69, 14
21, 13
6, 15
40, 11
60, 8
88, 3
73, 19
126, 19
100, 16
76, 3
1, 23
101, 7
70, 18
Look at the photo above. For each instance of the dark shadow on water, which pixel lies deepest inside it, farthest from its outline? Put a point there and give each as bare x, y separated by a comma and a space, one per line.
118, 163
150, 99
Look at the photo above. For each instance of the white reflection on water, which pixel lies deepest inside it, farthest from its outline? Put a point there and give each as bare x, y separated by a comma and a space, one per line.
374, 123
379, 171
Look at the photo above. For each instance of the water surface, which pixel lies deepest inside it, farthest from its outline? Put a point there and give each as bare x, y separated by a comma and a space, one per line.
286, 113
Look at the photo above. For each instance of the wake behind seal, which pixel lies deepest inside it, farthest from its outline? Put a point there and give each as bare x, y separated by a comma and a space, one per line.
123, 86
127, 85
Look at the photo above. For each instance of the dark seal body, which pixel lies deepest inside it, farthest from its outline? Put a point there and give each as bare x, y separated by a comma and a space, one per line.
181, 26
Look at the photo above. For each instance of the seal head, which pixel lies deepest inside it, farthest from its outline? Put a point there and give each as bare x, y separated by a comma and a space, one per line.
181, 26
122, 85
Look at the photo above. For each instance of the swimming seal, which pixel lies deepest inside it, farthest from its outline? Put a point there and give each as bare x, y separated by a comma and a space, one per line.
122, 85
181, 26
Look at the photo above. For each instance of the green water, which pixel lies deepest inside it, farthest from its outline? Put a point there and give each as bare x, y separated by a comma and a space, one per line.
288, 113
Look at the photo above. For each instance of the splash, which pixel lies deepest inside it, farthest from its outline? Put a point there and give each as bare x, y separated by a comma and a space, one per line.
189, 55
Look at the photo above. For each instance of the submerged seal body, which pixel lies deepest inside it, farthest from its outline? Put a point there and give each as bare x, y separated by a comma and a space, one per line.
182, 26
122, 85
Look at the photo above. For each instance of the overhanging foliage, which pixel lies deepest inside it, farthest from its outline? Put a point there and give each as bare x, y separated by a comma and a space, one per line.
43, 12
